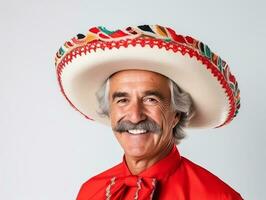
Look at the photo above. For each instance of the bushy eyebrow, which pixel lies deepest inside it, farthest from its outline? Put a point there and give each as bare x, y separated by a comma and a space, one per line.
154, 93
119, 94
146, 93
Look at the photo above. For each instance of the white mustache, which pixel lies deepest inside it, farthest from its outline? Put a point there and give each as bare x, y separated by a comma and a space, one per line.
149, 125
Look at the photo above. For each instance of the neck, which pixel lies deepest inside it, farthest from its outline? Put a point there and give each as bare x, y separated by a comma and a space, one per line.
138, 165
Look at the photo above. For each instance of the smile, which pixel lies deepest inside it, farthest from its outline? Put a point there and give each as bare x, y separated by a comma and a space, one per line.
137, 131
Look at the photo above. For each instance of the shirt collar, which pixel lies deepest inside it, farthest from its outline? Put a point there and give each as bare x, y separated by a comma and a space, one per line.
162, 168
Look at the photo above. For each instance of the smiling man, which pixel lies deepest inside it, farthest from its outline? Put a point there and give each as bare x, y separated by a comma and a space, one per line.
142, 117
149, 84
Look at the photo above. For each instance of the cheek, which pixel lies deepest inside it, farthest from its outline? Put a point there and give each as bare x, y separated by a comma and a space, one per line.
115, 115
165, 117
163, 113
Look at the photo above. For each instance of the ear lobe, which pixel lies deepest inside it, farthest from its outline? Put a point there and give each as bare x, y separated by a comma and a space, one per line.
177, 118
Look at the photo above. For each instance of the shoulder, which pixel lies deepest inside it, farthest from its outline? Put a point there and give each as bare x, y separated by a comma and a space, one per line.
94, 188
203, 180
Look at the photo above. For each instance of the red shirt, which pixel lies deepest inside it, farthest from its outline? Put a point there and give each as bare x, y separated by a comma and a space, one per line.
172, 178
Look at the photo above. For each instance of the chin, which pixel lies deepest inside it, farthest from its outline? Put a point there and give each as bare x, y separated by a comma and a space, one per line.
136, 145
135, 151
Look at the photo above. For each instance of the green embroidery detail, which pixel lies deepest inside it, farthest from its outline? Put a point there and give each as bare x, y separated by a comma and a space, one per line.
232, 86
61, 51
220, 64
167, 40
208, 52
105, 30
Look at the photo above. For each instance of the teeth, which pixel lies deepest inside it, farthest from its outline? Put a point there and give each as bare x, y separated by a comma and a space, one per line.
137, 131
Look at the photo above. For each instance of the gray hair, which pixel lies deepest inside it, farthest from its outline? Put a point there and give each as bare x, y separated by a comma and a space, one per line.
181, 103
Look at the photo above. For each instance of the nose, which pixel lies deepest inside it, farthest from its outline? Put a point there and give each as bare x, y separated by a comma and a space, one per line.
136, 112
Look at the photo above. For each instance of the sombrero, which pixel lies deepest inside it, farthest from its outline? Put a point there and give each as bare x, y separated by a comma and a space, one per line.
86, 61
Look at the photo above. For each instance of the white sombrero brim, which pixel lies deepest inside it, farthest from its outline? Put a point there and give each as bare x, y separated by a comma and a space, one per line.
81, 77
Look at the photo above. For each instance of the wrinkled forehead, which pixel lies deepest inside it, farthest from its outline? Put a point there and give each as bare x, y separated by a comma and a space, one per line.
139, 81
134, 75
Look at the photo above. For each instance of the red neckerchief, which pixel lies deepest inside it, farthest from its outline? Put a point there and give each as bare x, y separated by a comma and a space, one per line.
144, 184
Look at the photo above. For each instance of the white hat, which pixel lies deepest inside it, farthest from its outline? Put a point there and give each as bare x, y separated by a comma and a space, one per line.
86, 61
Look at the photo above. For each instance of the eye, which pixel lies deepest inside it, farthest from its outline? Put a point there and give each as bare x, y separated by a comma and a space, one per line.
150, 100
122, 101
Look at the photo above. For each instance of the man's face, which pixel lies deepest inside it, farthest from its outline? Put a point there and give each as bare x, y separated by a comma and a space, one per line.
136, 96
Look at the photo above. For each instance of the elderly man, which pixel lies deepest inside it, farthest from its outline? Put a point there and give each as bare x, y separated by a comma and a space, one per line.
148, 84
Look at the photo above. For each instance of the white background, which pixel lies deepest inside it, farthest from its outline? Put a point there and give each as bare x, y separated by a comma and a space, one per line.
47, 150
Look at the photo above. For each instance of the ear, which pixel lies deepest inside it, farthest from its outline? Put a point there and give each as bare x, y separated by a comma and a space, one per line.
176, 119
